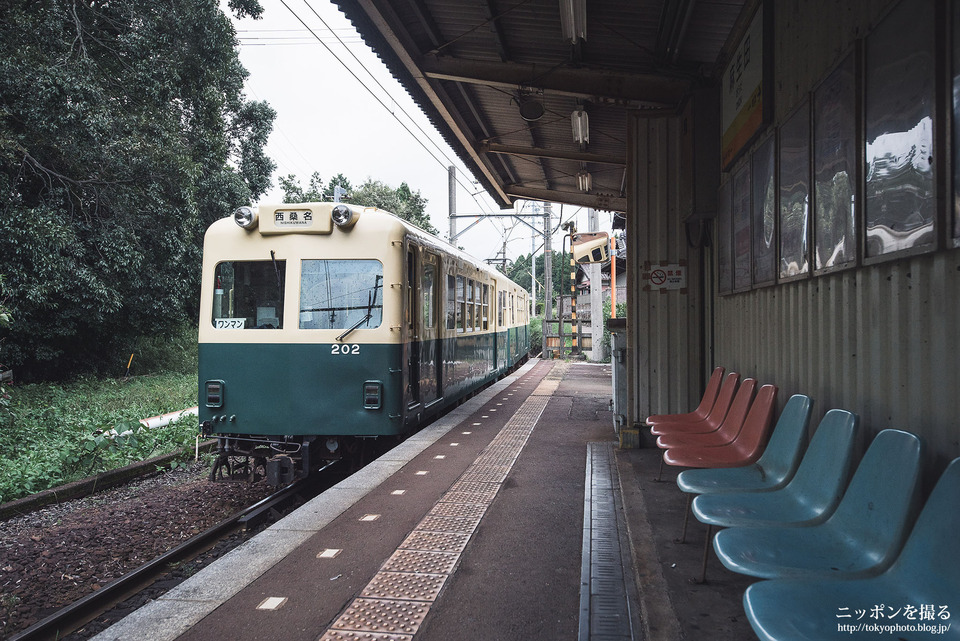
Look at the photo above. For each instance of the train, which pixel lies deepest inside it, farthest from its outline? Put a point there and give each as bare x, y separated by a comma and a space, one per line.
327, 327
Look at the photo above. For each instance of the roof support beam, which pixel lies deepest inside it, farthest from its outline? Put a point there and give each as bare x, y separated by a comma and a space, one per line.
399, 43
540, 152
598, 85
605, 202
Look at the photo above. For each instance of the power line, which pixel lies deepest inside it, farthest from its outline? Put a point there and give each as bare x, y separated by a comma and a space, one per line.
369, 90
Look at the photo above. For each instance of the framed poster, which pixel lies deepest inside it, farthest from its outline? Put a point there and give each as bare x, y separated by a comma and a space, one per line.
764, 214
746, 95
900, 177
725, 239
955, 209
794, 222
741, 228
835, 170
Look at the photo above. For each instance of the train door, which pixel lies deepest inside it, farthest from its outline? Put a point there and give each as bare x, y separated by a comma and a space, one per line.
429, 312
413, 326
495, 324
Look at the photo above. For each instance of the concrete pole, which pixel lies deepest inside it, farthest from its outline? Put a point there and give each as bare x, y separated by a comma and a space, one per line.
547, 275
452, 202
533, 275
596, 294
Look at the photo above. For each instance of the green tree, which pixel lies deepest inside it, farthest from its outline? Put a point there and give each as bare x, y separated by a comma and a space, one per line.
294, 193
124, 133
410, 206
407, 204
340, 181
519, 272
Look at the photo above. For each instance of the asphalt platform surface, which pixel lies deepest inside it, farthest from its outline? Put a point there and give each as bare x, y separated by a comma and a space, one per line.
514, 574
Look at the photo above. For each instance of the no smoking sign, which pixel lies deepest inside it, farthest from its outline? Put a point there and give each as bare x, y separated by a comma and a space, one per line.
666, 277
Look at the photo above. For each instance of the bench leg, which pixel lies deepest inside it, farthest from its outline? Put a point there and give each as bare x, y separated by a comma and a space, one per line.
660, 473
686, 519
706, 554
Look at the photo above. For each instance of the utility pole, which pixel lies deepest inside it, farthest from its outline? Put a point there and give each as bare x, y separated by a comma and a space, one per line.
452, 201
595, 274
547, 278
533, 275
547, 262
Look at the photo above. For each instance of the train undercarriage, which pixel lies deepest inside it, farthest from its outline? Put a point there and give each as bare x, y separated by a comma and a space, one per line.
280, 461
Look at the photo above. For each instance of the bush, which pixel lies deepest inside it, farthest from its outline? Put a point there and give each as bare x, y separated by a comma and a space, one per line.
53, 434
175, 354
536, 335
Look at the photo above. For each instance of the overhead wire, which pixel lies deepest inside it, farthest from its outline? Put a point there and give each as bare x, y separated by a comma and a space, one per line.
294, 164
373, 93
481, 203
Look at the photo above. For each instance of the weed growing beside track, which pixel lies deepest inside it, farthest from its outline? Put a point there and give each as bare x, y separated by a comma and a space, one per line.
54, 433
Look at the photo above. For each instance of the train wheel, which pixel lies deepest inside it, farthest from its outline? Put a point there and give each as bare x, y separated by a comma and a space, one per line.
221, 468
259, 469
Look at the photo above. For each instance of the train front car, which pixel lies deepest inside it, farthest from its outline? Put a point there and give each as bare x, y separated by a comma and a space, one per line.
300, 341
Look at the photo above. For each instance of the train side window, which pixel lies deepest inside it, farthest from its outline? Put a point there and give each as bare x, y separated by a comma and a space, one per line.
340, 294
451, 302
428, 294
461, 304
486, 307
513, 309
500, 309
248, 294
471, 305
478, 307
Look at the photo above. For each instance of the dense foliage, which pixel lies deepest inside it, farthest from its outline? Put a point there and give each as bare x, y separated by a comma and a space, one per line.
409, 205
519, 272
124, 132
55, 433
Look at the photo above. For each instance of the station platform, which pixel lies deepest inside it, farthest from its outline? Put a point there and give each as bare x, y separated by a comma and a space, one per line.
513, 517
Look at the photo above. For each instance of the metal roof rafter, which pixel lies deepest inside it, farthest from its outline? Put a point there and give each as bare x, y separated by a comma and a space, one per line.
601, 86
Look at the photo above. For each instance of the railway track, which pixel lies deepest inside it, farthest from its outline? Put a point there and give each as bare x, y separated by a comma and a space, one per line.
74, 616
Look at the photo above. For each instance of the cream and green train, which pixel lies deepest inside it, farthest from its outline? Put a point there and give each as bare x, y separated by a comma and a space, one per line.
326, 324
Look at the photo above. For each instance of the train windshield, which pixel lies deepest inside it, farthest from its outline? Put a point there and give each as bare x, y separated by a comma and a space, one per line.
248, 294
341, 294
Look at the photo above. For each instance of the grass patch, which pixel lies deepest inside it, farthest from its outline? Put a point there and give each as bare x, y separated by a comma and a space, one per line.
53, 433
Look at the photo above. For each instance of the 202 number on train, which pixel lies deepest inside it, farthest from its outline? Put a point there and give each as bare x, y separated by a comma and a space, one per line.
345, 350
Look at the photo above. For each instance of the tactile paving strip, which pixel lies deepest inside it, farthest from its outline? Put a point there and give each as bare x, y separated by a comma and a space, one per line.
492, 474
472, 486
449, 524
422, 561
389, 616
435, 541
354, 635
411, 579
483, 498
458, 510
404, 585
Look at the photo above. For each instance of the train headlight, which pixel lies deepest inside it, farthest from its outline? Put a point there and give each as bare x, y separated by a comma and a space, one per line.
344, 217
246, 217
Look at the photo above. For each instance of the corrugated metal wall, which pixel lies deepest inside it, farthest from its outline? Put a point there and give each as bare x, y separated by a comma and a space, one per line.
880, 341
664, 327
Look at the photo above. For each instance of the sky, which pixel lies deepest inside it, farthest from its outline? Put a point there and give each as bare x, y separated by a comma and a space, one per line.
340, 111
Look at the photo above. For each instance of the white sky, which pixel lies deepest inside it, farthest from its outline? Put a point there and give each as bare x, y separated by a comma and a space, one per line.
328, 122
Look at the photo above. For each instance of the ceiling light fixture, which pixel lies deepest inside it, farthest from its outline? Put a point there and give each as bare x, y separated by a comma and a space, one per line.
573, 20
581, 126
584, 180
